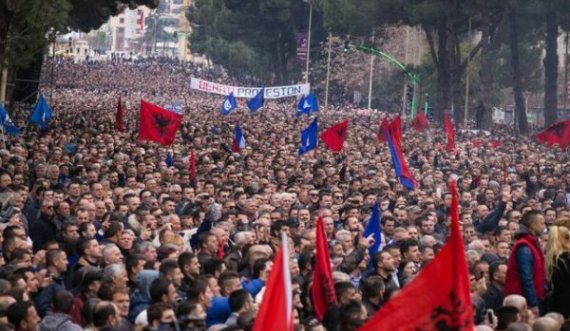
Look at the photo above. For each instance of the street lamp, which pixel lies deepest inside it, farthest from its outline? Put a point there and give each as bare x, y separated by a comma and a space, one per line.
308, 41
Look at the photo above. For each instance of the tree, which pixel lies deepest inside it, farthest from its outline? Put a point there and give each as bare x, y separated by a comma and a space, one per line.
86, 15
23, 28
520, 111
445, 23
265, 28
551, 65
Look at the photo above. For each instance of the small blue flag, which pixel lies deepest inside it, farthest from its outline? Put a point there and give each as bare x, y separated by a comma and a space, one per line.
41, 114
257, 101
7, 124
169, 160
309, 137
229, 105
307, 105
375, 229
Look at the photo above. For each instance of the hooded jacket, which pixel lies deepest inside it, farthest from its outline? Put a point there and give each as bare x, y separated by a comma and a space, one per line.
140, 298
58, 322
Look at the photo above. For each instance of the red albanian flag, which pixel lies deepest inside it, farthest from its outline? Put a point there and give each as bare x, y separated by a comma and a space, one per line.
439, 298
449, 132
396, 130
384, 129
420, 122
322, 292
558, 133
158, 124
120, 117
335, 136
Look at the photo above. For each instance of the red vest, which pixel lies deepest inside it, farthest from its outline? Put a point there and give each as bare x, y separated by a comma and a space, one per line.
513, 283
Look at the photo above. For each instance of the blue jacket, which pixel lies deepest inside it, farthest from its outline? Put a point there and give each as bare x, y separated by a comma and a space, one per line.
254, 286
218, 312
525, 262
44, 298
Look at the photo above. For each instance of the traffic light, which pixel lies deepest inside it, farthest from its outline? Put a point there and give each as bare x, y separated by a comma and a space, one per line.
346, 47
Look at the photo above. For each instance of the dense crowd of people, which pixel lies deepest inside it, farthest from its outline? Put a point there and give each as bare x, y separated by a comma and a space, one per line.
98, 232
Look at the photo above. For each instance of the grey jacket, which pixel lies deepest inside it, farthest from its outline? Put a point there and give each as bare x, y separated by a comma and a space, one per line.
58, 322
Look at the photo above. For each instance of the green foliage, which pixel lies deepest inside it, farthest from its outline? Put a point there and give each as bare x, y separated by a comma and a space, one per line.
24, 25
261, 30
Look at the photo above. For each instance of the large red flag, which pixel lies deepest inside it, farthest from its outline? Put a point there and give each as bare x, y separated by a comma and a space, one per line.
384, 128
322, 292
420, 122
449, 132
557, 133
335, 136
276, 310
158, 124
396, 129
119, 117
439, 297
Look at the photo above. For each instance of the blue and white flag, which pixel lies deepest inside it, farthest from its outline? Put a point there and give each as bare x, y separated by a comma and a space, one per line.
257, 101
7, 124
229, 104
307, 105
41, 114
309, 137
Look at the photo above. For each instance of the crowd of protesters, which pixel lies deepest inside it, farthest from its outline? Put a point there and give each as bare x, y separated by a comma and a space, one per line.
98, 232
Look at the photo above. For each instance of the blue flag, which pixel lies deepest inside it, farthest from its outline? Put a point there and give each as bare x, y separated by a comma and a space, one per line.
229, 105
41, 114
7, 124
257, 101
307, 105
309, 137
375, 229
169, 160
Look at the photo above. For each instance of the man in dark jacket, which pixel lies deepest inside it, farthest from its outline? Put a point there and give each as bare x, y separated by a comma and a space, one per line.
526, 271
60, 319
56, 262
46, 227
494, 295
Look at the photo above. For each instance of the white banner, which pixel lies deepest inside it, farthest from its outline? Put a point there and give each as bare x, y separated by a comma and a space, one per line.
272, 92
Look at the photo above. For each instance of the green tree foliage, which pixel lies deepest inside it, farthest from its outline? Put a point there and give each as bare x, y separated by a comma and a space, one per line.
86, 15
24, 25
264, 30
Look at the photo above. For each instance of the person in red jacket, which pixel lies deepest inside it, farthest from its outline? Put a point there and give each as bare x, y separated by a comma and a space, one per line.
526, 273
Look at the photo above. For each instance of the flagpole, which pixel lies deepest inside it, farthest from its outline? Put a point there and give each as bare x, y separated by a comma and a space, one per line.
371, 74
328, 71
309, 42
370, 82
3, 136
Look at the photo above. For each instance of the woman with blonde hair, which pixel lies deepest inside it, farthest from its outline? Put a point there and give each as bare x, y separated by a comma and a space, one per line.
558, 267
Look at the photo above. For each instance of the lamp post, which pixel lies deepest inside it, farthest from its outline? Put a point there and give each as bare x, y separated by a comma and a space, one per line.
308, 41
412, 77
328, 71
